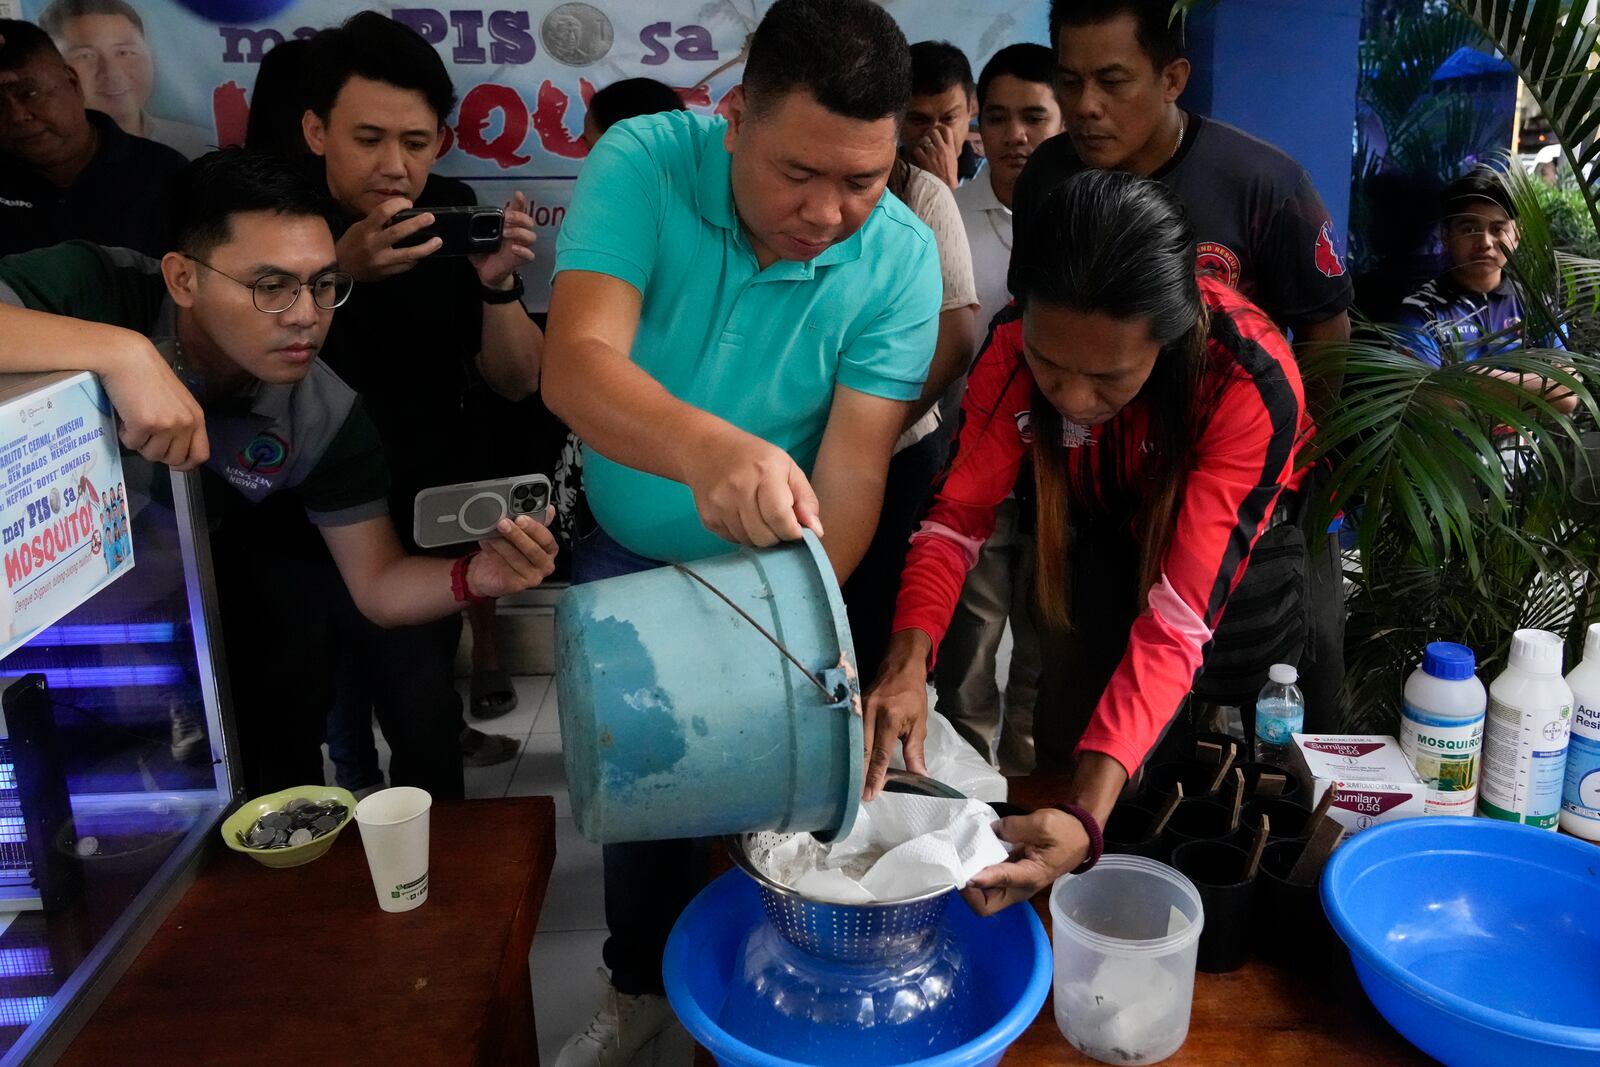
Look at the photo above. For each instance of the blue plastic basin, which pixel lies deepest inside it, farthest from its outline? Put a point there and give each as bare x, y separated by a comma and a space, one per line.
1478, 940
1007, 958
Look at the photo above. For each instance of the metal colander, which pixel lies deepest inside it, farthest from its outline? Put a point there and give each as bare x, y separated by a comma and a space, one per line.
848, 933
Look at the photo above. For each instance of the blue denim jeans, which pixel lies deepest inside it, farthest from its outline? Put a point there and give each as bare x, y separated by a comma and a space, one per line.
648, 883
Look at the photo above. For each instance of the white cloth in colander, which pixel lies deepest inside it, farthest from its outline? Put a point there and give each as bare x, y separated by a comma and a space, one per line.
902, 845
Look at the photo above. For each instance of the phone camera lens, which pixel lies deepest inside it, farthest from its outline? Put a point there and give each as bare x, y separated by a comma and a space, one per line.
485, 227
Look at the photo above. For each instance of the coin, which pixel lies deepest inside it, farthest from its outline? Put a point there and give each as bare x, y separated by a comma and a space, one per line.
576, 34
299, 821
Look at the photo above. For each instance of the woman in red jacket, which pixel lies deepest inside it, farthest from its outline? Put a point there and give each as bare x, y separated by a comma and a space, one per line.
1157, 405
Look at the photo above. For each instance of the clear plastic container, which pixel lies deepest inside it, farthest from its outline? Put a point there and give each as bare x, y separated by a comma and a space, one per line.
1126, 935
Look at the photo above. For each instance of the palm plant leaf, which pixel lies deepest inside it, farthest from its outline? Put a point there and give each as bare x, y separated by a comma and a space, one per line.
1553, 45
1428, 440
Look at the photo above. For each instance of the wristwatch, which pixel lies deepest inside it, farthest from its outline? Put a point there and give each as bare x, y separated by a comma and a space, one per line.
503, 296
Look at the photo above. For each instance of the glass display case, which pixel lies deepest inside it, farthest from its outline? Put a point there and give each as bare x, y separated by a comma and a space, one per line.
115, 764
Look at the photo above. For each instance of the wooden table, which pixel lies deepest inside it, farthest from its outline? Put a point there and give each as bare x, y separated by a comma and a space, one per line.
300, 966
1259, 1014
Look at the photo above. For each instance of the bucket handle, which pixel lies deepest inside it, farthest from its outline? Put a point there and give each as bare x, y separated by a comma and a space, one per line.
832, 696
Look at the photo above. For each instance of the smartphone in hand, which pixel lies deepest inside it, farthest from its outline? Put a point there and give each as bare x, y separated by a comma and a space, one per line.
469, 230
452, 514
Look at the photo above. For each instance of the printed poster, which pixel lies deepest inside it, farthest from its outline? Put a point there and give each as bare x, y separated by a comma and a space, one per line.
64, 530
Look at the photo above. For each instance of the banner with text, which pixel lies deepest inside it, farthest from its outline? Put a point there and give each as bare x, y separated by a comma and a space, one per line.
523, 73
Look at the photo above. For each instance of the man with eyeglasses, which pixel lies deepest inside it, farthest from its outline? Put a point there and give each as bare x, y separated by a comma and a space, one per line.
66, 171
210, 359
1474, 309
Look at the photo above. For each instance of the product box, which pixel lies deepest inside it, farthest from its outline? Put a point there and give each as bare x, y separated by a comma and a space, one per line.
1373, 778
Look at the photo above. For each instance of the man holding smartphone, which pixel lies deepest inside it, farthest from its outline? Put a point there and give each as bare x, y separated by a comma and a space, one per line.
209, 357
422, 335
739, 322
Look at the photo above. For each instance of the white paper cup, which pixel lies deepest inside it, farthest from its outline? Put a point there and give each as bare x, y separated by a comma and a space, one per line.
394, 833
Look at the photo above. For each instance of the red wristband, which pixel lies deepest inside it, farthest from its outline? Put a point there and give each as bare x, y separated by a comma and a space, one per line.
458, 582
1091, 826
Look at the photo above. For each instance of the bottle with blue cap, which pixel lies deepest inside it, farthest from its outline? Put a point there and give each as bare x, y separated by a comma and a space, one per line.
1441, 727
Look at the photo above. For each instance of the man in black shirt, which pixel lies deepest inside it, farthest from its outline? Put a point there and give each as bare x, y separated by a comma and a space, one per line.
65, 171
421, 332
1259, 222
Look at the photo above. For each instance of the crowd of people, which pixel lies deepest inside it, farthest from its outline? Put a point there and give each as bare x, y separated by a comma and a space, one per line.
1042, 381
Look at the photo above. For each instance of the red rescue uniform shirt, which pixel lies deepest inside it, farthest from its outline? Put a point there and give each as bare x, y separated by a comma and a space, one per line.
1244, 458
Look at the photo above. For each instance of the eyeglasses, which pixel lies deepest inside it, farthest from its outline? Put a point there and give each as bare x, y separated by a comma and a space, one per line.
277, 293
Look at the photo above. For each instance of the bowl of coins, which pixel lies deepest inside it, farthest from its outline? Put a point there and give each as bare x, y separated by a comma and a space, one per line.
291, 826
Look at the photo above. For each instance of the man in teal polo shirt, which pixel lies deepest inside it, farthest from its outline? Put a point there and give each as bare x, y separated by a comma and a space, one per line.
739, 321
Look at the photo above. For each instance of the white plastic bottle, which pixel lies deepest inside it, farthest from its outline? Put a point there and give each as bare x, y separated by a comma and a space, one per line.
1441, 727
1580, 800
1280, 713
1525, 734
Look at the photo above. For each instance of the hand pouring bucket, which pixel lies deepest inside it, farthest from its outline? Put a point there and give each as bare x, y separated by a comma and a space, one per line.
680, 718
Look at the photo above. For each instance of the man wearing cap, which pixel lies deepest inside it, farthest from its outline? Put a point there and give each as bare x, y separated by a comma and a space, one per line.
1474, 309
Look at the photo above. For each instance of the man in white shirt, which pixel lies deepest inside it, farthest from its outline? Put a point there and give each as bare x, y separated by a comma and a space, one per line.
1017, 111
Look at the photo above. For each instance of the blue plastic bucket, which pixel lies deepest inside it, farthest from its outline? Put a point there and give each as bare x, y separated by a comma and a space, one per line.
679, 719
1007, 955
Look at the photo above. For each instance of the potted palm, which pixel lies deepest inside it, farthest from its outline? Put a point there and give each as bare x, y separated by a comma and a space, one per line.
1470, 509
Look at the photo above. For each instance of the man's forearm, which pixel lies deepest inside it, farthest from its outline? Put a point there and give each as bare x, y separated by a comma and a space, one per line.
850, 502
409, 591
510, 350
951, 354
1322, 394
1518, 384
33, 341
624, 414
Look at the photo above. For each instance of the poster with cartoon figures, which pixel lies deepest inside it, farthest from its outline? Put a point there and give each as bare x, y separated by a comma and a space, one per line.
64, 526
182, 71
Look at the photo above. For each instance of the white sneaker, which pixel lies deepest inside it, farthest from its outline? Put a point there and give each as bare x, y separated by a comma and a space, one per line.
624, 1024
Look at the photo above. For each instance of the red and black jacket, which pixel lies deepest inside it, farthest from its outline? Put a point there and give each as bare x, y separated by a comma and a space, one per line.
1244, 457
